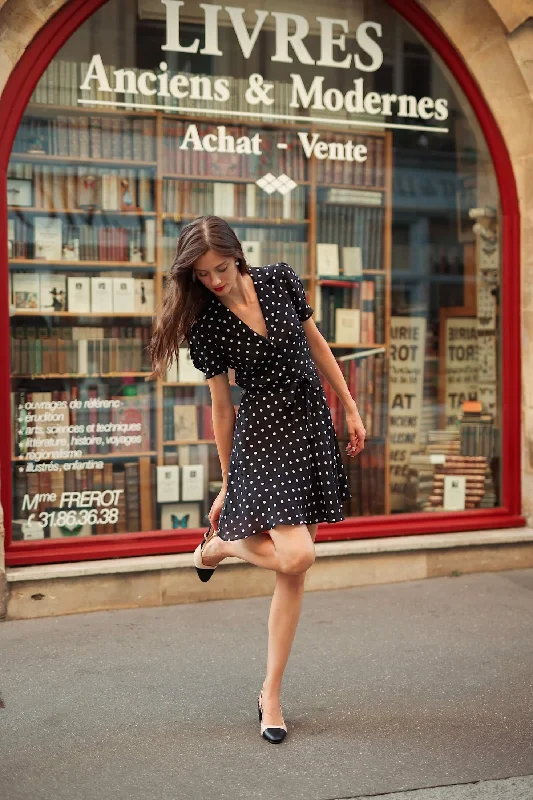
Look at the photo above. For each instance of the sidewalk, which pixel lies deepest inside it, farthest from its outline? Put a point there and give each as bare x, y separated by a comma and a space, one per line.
389, 688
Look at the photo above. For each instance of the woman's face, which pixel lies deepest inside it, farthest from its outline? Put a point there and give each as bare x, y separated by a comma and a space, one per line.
218, 273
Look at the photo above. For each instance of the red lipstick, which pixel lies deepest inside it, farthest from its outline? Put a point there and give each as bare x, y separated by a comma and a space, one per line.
219, 288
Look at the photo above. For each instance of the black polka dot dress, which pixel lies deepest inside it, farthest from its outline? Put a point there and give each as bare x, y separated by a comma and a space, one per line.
285, 465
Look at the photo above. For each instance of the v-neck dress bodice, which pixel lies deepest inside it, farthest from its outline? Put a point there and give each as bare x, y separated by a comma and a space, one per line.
285, 464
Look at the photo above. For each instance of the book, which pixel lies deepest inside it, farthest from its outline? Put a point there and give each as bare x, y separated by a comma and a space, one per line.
168, 488
347, 325
26, 290
149, 241
134, 415
123, 294
224, 199
71, 244
172, 372
48, 238
144, 295
187, 372
354, 197
192, 482
53, 292
185, 422
79, 294
327, 259
102, 294
10, 237
352, 261
89, 188
252, 252
454, 492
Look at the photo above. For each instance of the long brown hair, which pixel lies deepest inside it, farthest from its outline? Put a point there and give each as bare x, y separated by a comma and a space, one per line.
185, 299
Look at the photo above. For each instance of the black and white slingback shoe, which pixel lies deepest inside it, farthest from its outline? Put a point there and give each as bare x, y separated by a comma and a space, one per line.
272, 733
204, 572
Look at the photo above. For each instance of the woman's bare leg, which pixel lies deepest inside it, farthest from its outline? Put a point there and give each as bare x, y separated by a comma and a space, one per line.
257, 549
282, 623
288, 553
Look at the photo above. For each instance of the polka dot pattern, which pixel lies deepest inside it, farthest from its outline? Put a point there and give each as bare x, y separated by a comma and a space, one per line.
285, 464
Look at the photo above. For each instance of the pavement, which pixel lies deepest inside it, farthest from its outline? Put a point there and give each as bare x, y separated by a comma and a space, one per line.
410, 691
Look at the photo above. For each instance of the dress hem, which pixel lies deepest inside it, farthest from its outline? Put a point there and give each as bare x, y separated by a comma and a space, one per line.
280, 521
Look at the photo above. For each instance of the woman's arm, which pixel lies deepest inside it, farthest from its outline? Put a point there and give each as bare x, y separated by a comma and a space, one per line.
223, 421
223, 415
328, 366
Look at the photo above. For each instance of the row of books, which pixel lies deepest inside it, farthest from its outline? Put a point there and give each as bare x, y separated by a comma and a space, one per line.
79, 351
48, 238
232, 159
88, 137
349, 314
351, 226
133, 482
258, 251
366, 476
232, 200
478, 434
90, 418
54, 292
367, 381
370, 172
62, 187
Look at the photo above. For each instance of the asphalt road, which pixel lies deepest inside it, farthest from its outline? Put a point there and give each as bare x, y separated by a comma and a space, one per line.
389, 689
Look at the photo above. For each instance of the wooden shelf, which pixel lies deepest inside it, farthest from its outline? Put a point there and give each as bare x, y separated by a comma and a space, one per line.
36, 109
330, 126
354, 346
184, 383
169, 442
355, 187
77, 375
217, 178
34, 262
101, 212
334, 280
277, 221
93, 314
53, 159
95, 456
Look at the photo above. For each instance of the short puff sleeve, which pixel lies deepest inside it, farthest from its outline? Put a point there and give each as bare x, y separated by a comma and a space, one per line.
296, 290
204, 352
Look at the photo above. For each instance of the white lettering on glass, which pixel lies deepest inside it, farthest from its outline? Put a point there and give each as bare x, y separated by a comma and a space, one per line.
291, 31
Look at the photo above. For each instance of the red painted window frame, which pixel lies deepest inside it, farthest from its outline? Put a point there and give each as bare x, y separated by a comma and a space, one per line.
12, 105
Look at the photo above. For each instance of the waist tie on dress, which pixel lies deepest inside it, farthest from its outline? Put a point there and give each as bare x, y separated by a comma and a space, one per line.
305, 387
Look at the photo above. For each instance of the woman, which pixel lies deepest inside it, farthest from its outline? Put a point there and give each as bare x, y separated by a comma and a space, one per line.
281, 465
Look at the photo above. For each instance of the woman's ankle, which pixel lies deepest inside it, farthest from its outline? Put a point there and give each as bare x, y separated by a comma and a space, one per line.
271, 688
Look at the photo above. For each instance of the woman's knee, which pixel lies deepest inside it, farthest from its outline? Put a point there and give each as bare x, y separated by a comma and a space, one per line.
298, 561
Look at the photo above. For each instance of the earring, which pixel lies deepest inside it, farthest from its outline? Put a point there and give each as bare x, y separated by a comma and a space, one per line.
194, 276
237, 262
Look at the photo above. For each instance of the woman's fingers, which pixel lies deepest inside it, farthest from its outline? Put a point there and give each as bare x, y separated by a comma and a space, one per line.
357, 441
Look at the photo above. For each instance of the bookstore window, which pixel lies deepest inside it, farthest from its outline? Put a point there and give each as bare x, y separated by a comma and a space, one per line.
343, 147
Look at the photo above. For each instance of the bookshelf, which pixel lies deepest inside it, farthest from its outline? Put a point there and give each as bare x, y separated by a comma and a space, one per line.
114, 183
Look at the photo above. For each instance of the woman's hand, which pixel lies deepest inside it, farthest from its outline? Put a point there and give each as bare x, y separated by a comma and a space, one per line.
356, 432
216, 508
